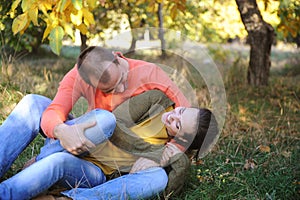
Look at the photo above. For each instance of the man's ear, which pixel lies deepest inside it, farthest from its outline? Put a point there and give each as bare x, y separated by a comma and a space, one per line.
118, 58
115, 54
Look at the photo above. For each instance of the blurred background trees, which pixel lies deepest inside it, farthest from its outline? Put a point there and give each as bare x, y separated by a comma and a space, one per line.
26, 24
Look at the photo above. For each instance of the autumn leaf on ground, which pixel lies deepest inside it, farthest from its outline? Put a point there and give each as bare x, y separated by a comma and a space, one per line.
286, 154
250, 164
199, 162
264, 149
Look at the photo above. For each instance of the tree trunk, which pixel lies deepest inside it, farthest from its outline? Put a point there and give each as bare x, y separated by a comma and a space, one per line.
161, 30
83, 39
133, 42
260, 37
134, 35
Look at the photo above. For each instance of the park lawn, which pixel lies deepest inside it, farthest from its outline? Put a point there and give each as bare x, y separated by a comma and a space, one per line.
257, 155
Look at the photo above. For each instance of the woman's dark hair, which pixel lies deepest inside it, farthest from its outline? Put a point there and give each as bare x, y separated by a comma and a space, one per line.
206, 135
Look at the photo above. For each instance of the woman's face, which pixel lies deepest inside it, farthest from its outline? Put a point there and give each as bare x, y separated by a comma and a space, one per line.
180, 120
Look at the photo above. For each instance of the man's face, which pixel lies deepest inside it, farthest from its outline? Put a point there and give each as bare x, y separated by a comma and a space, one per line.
118, 78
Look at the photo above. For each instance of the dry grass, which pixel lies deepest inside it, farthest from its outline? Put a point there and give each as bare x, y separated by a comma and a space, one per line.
257, 155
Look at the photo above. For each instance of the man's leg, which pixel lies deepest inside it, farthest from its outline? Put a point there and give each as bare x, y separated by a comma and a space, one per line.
63, 168
102, 131
20, 128
140, 185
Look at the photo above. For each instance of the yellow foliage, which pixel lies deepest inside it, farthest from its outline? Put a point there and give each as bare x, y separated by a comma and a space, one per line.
77, 4
15, 5
47, 30
47, 4
26, 26
61, 16
92, 4
19, 23
83, 29
174, 11
151, 7
53, 19
140, 2
33, 14
27, 4
76, 18
64, 5
68, 30
88, 17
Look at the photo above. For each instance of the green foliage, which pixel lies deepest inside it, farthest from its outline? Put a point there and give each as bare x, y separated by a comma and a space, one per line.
55, 37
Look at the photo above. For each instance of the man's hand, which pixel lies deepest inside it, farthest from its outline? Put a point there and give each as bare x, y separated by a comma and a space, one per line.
72, 137
143, 163
170, 151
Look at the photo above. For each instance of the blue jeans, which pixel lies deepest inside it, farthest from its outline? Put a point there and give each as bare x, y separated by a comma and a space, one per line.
20, 128
140, 185
99, 133
23, 125
62, 168
86, 180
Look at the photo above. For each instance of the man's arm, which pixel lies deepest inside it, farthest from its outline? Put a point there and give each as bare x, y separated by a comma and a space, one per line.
160, 79
53, 120
62, 104
154, 77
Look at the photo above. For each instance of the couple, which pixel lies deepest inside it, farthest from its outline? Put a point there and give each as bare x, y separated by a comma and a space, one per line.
143, 140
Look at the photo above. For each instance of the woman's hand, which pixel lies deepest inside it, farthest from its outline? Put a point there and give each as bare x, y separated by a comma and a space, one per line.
170, 151
143, 163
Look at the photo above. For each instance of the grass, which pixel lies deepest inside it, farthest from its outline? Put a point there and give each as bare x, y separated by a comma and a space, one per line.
258, 153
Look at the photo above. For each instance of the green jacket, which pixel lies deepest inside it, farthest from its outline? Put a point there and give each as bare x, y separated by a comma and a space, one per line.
136, 110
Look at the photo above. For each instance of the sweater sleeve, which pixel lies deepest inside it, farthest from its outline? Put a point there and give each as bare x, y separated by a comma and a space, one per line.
177, 174
158, 79
153, 77
67, 95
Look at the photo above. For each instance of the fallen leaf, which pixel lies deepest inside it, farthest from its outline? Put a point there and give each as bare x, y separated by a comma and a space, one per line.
199, 162
242, 110
250, 164
200, 178
264, 149
286, 154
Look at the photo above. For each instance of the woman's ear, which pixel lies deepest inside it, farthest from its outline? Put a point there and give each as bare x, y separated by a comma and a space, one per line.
182, 139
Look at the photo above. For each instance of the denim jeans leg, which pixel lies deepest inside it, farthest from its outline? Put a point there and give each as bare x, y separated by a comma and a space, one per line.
20, 128
140, 185
102, 131
62, 168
